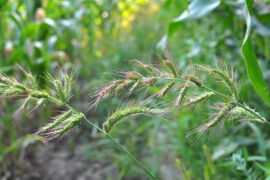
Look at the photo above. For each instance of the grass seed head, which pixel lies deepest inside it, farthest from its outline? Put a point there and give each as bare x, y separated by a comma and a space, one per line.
57, 121
244, 114
171, 67
70, 123
119, 115
221, 115
182, 94
228, 81
200, 98
163, 91
134, 87
147, 67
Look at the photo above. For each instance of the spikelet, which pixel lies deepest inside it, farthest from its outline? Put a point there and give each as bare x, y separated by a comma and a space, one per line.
132, 75
59, 120
61, 125
10, 87
67, 86
224, 75
147, 67
11, 92
60, 90
39, 94
171, 67
134, 87
122, 86
182, 94
108, 90
195, 80
27, 102
30, 78
118, 115
223, 113
20, 86
3, 86
62, 85
247, 115
227, 107
70, 123
163, 91
200, 98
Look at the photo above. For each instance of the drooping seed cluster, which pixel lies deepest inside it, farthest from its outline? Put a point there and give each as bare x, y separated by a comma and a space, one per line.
228, 81
171, 67
12, 87
220, 117
119, 115
200, 98
61, 124
180, 98
163, 91
134, 81
245, 114
33, 98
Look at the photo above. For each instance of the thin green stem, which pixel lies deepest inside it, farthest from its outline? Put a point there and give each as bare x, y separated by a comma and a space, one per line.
123, 149
57, 101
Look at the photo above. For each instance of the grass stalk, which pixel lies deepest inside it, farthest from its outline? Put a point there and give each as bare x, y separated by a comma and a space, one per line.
150, 175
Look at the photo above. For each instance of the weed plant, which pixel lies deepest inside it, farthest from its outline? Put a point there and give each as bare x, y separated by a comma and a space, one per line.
190, 90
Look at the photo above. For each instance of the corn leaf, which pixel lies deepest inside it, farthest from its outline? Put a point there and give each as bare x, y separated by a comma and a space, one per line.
253, 69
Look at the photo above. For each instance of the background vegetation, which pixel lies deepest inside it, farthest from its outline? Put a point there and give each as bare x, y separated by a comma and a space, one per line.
99, 37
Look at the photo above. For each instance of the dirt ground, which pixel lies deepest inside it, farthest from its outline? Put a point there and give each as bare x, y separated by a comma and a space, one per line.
54, 161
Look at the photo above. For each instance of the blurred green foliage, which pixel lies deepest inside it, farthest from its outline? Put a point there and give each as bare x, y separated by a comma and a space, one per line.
100, 36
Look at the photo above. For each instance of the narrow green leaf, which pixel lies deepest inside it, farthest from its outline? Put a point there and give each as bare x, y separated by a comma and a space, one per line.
253, 69
196, 9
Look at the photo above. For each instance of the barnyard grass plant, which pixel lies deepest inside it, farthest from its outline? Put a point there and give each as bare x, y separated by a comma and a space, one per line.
189, 90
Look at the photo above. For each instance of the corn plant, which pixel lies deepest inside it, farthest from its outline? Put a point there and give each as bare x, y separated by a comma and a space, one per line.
228, 106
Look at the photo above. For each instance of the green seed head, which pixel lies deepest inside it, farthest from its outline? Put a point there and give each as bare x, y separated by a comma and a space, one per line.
171, 67
118, 115
166, 89
201, 97
182, 94
59, 120
70, 123
247, 115
39, 94
228, 81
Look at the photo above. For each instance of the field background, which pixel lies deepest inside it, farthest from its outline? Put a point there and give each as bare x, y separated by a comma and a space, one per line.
99, 38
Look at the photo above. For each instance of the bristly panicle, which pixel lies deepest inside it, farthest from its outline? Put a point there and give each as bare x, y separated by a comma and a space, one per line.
171, 67
147, 67
163, 91
63, 85
61, 124
112, 88
224, 76
220, 116
247, 114
120, 114
30, 78
200, 98
180, 98
192, 84
195, 80
12, 87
